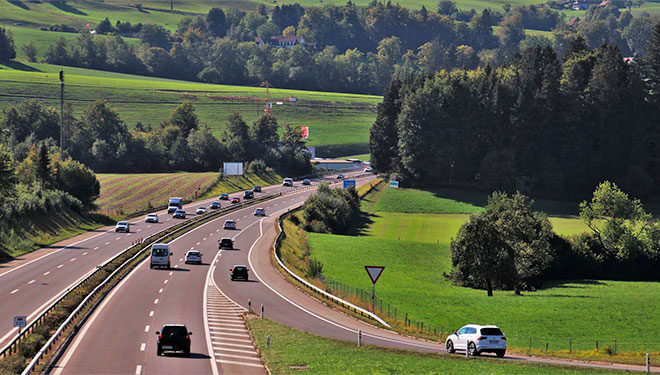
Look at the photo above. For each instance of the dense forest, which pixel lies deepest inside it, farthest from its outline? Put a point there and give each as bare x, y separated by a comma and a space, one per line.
544, 125
343, 48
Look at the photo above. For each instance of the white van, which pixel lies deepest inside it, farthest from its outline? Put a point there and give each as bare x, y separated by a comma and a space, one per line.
160, 255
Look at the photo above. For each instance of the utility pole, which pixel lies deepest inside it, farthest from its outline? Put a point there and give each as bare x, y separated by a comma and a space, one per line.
62, 114
171, 4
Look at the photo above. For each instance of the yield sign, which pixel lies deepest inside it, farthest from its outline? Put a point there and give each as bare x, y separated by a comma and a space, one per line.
374, 272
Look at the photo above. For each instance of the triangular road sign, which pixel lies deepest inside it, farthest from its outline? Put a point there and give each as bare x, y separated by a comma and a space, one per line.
374, 272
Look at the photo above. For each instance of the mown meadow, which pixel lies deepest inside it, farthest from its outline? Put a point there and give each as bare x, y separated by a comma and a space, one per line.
296, 352
414, 247
339, 123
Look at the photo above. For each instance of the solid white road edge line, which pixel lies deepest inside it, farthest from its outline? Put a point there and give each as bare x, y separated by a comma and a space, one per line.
207, 332
83, 331
54, 252
316, 315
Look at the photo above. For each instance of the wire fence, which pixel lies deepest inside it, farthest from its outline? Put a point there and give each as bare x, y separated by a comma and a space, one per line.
396, 316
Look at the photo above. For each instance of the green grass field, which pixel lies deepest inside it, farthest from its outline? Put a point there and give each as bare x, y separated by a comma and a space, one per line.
125, 194
334, 119
296, 352
414, 248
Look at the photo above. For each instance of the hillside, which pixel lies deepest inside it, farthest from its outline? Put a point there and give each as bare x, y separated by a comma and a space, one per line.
339, 123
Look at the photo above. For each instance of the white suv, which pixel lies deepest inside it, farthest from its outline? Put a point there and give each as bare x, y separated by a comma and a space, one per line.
477, 339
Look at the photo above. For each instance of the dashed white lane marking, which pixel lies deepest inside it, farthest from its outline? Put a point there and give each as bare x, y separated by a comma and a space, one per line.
60, 266
14, 291
171, 273
217, 230
85, 253
156, 301
46, 273
138, 230
143, 346
198, 243
146, 328
176, 266
151, 313
107, 243
149, 226
181, 260
118, 238
161, 290
165, 282
96, 248
204, 239
31, 282
138, 370
210, 234
72, 259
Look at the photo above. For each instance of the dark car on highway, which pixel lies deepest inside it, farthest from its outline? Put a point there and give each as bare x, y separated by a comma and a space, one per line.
239, 272
215, 205
226, 243
256, 189
248, 194
224, 196
173, 338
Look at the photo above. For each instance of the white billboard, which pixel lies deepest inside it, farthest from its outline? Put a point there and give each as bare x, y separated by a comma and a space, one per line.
232, 168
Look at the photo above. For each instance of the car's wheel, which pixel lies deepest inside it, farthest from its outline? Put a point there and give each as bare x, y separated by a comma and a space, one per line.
151, 266
500, 353
159, 351
472, 349
450, 347
168, 266
186, 352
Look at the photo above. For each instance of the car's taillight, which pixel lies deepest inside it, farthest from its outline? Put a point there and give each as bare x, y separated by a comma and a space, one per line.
481, 338
503, 338
187, 337
160, 336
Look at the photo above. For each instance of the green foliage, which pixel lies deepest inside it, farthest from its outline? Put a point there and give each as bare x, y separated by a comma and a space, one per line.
7, 49
30, 51
315, 268
184, 118
7, 172
78, 180
335, 208
507, 246
410, 200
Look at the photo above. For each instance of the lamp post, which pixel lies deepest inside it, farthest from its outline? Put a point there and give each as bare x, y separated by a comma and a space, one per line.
62, 114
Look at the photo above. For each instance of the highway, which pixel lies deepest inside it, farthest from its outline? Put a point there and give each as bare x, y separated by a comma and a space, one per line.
33, 281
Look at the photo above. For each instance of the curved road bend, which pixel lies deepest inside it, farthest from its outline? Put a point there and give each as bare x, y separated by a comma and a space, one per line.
33, 281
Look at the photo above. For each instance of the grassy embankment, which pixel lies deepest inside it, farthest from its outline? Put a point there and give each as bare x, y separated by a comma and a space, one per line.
125, 194
413, 243
29, 234
296, 352
339, 123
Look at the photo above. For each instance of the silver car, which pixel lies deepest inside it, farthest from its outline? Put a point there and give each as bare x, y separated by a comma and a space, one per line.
151, 218
193, 256
123, 226
229, 224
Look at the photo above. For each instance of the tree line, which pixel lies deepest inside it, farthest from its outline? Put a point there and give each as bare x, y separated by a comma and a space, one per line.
544, 125
101, 140
349, 48
510, 246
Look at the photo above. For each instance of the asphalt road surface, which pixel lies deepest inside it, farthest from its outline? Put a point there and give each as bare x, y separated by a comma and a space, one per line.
33, 281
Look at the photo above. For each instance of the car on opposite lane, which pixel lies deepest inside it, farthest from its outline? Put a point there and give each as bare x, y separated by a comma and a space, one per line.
339, 176
224, 196
248, 194
179, 214
174, 338
260, 212
200, 210
306, 181
239, 271
288, 181
123, 226
368, 169
215, 205
229, 224
151, 218
477, 339
235, 200
193, 256
256, 189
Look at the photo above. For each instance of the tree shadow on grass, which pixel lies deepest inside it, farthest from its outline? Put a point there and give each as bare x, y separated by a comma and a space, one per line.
19, 4
563, 284
63, 6
20, 66
359, 226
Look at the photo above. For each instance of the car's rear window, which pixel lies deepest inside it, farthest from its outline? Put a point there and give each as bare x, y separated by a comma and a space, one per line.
239, 268
122, 223
175, 330
159, 252
193, 253
491, 332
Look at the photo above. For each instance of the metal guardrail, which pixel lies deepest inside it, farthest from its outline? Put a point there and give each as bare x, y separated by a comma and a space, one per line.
158, 236
314, 287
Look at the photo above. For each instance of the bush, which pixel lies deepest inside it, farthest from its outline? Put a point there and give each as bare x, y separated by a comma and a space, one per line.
258, 167
31, 345
13, 364
314, 268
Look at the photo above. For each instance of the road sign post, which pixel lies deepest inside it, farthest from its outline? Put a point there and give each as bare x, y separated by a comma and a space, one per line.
374, 273
19, 321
